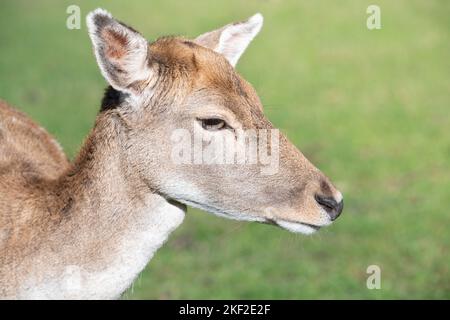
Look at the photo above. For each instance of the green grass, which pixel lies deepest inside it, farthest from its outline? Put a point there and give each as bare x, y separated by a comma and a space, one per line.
369, 108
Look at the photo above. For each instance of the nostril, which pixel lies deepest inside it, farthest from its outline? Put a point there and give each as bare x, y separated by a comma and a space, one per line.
331, 206
326, 202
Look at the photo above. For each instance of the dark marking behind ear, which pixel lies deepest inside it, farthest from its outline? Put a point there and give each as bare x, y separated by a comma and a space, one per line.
111, 99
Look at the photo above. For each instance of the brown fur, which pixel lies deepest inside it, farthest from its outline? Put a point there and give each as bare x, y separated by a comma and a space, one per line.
116, 44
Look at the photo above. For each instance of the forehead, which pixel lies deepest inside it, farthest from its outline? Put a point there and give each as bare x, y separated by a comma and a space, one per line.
183, 58
206, 71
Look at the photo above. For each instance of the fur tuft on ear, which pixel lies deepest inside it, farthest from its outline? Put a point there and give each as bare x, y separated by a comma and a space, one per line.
232, 40
121, 52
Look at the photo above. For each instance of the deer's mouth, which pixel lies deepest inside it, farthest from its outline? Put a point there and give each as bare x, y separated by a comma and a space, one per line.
295, 226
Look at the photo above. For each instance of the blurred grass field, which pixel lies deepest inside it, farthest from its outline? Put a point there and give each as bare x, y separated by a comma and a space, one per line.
369, 108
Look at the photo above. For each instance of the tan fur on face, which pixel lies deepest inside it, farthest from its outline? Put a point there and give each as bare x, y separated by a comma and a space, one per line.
192, 77
181, 63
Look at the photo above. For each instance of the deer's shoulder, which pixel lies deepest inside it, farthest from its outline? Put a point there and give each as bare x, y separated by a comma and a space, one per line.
27, 147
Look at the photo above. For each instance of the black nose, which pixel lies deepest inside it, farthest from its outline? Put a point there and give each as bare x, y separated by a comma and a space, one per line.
331, 206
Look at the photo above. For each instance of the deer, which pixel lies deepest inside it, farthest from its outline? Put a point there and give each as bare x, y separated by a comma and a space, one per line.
85, 229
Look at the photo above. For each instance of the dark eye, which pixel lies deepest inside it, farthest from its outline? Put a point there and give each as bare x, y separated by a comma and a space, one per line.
213, 124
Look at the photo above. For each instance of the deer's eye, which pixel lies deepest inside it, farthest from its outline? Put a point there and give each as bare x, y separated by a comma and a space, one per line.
213, 124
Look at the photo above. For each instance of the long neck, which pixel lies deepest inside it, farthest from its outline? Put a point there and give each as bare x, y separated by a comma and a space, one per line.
112, 223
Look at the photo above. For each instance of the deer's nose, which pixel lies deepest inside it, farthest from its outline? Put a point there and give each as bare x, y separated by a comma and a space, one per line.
330, 205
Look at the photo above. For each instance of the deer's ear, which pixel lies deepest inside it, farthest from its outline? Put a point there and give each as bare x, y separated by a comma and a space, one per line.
121, 52
232, 40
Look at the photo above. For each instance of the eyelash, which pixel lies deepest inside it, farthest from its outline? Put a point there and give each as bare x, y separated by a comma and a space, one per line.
213, 124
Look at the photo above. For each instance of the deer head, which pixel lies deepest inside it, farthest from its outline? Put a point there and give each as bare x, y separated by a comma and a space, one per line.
175, 89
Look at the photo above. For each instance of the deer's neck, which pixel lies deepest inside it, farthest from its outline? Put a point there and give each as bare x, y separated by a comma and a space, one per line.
112, 222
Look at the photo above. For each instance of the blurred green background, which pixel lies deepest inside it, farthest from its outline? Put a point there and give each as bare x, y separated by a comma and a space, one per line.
369, 108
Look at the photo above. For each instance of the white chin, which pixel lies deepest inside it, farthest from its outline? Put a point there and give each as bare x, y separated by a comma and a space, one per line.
296, 227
